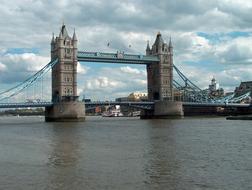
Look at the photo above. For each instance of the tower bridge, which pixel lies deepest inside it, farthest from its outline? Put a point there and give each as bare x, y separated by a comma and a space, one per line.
158, 60
64, 104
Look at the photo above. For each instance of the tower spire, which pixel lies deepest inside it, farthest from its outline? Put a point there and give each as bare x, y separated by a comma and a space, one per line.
170, 42
170, 47
74, 36
159, 40
53, 39
63, 31
148, 46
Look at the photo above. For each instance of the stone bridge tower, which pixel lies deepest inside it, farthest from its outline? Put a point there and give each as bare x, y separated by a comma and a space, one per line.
160, 75
64, 74
64, 79
160, 81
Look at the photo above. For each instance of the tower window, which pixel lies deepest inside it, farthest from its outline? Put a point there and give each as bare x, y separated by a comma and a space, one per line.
68, 51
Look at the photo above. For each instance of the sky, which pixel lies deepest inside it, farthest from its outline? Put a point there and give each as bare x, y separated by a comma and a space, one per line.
210, 39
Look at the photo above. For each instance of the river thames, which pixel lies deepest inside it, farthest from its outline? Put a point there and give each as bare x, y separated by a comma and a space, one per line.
125, 153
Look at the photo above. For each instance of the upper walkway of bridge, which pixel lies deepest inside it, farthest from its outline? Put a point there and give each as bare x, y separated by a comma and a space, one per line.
119, 57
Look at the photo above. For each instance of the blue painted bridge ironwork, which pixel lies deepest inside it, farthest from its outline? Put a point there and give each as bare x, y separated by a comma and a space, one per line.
141, 105
89, 105
26, 105
118, 57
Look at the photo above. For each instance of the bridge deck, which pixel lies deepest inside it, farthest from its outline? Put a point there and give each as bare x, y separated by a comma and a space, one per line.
116, 58
25, 105
146, 105
215, 104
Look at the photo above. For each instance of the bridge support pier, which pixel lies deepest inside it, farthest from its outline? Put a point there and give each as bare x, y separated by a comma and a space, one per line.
65, 111
164, 109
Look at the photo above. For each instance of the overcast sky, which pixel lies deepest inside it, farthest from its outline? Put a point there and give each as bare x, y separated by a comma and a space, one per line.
211, 39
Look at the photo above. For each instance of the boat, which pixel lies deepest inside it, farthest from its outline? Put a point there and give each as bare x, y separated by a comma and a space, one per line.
136, 113
112, 113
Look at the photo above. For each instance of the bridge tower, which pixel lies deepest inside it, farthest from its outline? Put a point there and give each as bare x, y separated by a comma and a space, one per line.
160, 76
160, 80
66, 106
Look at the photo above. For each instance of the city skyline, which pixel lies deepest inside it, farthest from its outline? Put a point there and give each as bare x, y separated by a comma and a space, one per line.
210, 39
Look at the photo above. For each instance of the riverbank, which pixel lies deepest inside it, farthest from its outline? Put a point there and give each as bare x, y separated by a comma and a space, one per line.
241, 117
24, 112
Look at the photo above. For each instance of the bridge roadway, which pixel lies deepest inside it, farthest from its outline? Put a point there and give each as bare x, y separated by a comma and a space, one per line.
142, 105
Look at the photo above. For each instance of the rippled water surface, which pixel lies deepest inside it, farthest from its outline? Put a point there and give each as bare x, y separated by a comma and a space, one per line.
125, 153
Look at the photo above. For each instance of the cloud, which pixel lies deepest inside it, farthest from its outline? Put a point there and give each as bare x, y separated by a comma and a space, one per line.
236, 51
79, 91
2, 51
19, 67
130, 70
224, 48
82, 69
188, 46
24, 62
2, 67
101, 83
109, 83
135, 17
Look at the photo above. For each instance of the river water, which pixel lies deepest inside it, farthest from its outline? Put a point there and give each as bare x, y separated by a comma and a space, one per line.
125, 153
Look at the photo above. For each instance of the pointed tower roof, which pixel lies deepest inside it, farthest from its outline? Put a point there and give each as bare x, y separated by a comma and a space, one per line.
53, 39
170, 43
148, 46
74, 36
159, 39
63, 31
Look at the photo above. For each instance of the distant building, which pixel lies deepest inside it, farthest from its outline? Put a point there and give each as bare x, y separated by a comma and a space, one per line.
134, 97
138, 96
122, 99
244, 88
214, 90
213, 86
